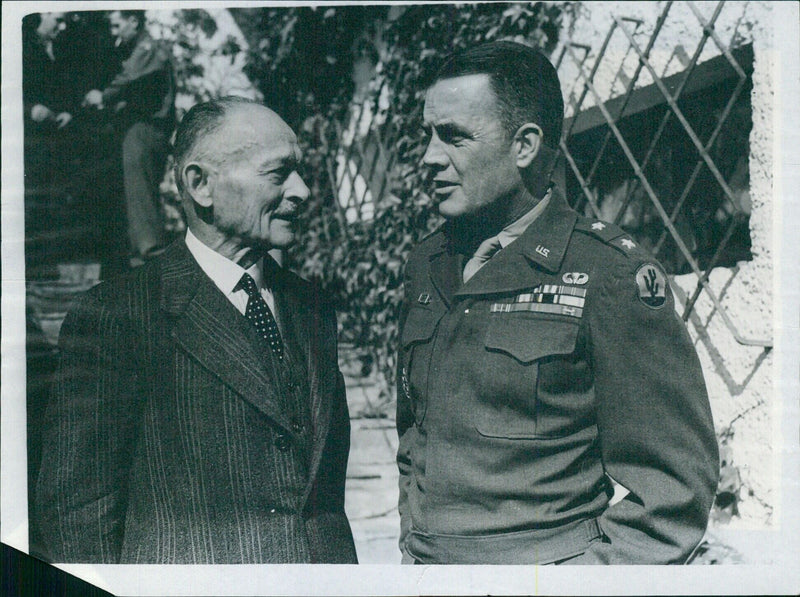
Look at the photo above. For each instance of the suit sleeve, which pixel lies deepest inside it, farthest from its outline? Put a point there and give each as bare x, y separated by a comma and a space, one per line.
655, 427
333, 472
332, 536
89, 429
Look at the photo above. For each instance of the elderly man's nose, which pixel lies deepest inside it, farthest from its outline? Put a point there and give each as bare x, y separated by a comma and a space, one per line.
296, 189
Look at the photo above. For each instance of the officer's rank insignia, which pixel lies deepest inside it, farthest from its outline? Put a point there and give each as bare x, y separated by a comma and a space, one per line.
652, 285
575, 278
547, 298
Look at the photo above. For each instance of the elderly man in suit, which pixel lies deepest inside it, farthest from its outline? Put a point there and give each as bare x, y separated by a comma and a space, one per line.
199, 415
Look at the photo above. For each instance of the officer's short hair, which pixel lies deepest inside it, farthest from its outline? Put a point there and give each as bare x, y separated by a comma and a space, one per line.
523, 80
199, 122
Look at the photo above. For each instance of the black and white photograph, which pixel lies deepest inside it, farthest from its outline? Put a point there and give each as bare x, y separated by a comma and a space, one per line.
446, 297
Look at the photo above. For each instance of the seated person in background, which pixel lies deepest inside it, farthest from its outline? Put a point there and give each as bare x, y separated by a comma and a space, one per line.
141, 97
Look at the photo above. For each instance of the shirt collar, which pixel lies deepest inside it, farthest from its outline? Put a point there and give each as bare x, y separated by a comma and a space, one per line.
513, 231
223, 272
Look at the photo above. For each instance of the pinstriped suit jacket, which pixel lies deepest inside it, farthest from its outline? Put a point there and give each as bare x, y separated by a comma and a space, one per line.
165, 441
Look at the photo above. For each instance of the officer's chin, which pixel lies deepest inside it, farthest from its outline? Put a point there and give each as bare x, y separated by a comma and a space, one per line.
451, 208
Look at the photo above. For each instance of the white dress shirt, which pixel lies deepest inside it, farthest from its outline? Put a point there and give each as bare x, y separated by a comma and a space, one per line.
226, 274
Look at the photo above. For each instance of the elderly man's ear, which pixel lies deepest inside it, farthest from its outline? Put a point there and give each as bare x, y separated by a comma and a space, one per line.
196, 183
527, 142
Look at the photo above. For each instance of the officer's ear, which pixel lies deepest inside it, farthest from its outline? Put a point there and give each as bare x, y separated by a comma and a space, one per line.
527, 142
196, 181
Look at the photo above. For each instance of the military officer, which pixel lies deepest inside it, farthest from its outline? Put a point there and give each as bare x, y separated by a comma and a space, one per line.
551, 406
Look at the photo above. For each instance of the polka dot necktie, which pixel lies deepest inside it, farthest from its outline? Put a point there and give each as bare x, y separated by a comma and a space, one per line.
260, 316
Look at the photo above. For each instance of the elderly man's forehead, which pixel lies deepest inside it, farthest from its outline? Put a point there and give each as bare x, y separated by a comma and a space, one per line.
247, 128
254, 119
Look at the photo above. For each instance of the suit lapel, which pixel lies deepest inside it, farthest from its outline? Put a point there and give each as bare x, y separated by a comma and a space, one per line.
209, 328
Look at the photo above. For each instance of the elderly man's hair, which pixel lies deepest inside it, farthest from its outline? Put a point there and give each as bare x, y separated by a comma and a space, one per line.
523, 80
199, 122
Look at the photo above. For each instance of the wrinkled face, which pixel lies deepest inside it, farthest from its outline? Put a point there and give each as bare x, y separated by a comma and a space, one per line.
469, 153
254, 183
51, 25
123, 30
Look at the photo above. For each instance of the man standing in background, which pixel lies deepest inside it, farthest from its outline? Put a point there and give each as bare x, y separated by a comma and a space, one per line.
46, 77
551, 406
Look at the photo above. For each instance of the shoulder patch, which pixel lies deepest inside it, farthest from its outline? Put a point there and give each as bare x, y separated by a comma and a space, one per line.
652, 285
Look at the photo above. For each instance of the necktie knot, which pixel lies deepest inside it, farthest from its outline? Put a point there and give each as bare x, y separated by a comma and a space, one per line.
484, 253
247, 284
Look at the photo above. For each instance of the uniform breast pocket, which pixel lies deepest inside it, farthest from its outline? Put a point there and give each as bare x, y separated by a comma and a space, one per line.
531, 364
416, 341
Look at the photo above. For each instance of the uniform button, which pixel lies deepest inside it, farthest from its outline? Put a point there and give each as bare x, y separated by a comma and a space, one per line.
282, 443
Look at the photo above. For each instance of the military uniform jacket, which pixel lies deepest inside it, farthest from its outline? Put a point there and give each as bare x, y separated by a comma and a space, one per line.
170, 437
560, 365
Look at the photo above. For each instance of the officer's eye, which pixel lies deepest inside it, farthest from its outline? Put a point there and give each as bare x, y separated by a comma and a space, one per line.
451, 134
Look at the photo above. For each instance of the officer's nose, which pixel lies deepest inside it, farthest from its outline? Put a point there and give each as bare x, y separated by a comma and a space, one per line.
295, 189
434, 156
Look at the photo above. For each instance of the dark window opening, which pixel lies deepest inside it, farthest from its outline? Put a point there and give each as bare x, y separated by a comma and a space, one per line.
712, 221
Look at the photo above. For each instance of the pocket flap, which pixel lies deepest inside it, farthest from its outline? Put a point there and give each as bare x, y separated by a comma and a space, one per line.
420, 325
529, 337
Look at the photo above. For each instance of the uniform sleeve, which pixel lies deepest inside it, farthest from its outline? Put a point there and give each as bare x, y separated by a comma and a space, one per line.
405, 429
88, 432
654, 422
147, 59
